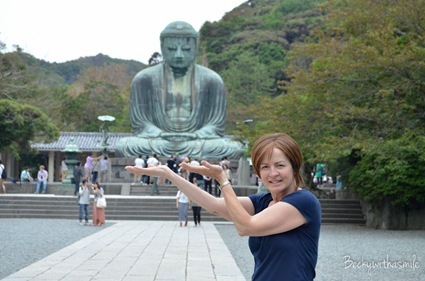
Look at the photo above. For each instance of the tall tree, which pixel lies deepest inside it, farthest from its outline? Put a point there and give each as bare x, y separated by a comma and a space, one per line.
20, 121
358, 85
20, 124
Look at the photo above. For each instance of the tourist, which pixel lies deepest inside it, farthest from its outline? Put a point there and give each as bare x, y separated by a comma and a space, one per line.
98, 215
197, 180
182, 205
88, 166
104, 166
78, 175
138, 162
283, 224
26, 175
154, 162
145, 178
207, 184
42, 177
319, 174
84, 202
95, 170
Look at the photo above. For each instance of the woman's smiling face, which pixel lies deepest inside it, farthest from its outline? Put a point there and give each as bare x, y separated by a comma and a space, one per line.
277, 174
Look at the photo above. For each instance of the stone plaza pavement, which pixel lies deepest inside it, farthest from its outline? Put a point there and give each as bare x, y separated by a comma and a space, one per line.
139, 250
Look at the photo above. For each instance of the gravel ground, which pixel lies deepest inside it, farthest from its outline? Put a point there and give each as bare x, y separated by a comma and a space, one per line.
350, 252
25, 241
346, 252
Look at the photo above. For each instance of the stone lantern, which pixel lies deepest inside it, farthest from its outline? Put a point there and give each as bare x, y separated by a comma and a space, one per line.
71, 150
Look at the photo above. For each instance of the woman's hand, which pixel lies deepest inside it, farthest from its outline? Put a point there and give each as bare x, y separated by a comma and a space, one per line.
207, 169
160, 171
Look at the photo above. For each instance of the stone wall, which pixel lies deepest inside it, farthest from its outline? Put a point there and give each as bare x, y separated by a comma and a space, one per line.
383, 215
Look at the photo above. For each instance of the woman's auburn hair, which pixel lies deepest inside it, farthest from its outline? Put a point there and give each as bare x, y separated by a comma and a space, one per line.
263, 149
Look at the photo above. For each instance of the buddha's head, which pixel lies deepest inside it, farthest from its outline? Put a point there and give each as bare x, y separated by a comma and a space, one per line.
179, 44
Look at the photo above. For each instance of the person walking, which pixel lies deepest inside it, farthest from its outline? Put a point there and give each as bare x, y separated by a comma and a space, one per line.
78, 175
283, 225
84, 202
182, 205
98, 215
42, 177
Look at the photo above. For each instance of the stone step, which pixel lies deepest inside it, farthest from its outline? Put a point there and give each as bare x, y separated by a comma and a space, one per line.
146, 208
343, 220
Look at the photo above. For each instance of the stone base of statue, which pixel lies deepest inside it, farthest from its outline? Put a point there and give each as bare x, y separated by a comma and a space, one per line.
215, 148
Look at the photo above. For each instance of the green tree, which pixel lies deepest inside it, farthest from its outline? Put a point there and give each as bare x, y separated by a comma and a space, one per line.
20, 124
98, 98
246, 80
358, 86
393, 170
20, 121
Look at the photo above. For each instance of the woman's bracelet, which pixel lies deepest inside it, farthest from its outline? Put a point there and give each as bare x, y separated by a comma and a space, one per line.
224, 184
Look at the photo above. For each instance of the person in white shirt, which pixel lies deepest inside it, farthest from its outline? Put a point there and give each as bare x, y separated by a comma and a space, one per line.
153, 161
138, 162
182, 204
42, 177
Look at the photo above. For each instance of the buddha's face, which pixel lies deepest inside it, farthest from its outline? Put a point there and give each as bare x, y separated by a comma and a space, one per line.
179, 52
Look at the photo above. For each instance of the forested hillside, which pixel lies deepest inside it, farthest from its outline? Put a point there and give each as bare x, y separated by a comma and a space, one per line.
67, 73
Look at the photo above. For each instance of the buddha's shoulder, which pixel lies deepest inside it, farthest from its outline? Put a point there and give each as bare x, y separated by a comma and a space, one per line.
151, 71
207, 72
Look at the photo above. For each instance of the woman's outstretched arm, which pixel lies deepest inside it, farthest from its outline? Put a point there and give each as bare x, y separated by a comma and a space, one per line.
213, 205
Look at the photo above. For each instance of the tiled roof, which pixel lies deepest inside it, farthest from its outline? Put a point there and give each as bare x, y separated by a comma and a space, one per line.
84, 140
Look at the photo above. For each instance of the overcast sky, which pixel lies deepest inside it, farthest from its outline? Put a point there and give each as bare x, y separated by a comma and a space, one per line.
59, 31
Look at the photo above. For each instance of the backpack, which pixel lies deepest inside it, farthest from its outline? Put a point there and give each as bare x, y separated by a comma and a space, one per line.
3, 173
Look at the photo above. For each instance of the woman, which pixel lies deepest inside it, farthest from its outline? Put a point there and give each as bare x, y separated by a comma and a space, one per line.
182, 204
283, 224
88, 166
98, 213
